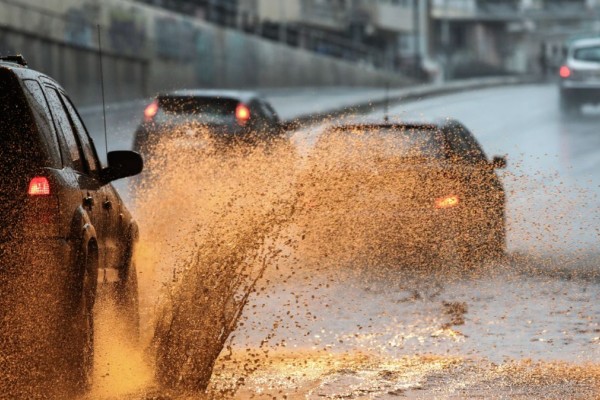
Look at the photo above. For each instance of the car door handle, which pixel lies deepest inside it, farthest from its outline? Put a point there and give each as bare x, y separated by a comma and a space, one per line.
107, 205
88, 202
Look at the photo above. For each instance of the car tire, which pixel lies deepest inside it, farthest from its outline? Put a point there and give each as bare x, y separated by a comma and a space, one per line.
126, 297
568, 106
140, 141
496, 242
469, 254
79, 338
486, 243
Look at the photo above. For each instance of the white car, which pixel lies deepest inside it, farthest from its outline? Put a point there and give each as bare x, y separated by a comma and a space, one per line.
580, 75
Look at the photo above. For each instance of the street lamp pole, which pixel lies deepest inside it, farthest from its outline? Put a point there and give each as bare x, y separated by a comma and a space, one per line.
212, 11
416, 38
282, 22
445, 39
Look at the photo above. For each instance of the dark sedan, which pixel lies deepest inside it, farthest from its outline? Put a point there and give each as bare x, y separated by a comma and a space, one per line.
227, 116
418, 188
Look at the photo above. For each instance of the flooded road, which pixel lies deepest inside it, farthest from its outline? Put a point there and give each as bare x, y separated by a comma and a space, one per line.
322, 326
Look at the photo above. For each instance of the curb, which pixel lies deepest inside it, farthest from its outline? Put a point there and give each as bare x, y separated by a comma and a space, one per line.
410, 94
395, 96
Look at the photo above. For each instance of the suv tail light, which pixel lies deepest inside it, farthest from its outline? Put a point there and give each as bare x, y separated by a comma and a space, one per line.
242, 113
41, 212
564, 72
39, 186
151, 111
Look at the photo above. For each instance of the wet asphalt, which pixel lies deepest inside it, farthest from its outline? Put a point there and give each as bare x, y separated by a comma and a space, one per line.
541, 303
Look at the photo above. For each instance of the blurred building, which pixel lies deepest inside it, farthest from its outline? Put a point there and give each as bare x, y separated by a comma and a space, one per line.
221, 12
454, 38
483, 37
143, 45
381, 33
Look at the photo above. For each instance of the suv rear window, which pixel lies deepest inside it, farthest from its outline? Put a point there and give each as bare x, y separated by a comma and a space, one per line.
591, 53
211, 110
20, 150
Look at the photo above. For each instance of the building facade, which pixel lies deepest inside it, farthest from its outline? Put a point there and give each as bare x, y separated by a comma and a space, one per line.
453, 38
503, 36
377, 32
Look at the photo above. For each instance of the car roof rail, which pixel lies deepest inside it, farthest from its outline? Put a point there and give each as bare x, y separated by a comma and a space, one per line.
17, 59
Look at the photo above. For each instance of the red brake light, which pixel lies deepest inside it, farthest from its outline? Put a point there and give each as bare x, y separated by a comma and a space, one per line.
151, 110
39, 186
447, 202
564, 72
242, 113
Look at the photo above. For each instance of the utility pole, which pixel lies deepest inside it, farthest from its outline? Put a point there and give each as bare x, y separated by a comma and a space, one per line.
355, 27
257, 21
212, 11
445, 40
416, 37
282, 22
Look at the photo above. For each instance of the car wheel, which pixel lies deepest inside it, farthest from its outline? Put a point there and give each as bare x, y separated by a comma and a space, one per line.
469, 253
80, 338
496, 240
486, 243
568, 106
140, 141
126, 293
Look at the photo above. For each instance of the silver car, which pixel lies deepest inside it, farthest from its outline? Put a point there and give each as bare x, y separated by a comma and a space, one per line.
580, 75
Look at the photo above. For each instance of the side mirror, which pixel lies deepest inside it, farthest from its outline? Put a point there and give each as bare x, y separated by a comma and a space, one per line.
121, 164
499, 162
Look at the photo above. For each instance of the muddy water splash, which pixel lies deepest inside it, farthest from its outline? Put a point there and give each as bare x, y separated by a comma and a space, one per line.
214, 219
120, 367
212, 222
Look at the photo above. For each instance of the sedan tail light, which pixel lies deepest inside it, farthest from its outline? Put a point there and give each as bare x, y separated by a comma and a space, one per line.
242, 113
151, 111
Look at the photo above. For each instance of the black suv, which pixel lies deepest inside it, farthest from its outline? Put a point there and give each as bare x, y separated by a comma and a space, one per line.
64, 229
229, 116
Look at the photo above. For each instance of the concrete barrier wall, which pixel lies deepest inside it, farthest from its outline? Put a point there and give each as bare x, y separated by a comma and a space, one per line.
148, 50
78, 69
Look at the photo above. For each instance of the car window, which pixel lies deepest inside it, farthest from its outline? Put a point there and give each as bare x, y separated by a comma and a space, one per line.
464, 146
41, 110
591, 53
63, 124
210, 110
272, 110
257, 111
20, 150
267, 111
416, 142
87, 144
